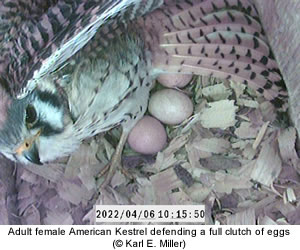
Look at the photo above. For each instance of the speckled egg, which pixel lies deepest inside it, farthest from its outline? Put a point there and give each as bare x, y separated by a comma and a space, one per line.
148, 136
170, 106
174, 80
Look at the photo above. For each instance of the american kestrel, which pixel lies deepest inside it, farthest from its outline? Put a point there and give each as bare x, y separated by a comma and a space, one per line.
123, 46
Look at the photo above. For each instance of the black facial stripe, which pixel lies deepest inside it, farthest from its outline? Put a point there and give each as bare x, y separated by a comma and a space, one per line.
47, 129
50, 98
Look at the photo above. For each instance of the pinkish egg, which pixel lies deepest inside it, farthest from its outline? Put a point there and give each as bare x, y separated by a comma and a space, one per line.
174, 80
170, 106
148, 136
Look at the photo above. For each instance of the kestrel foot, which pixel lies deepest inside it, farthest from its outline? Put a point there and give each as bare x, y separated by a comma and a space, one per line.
115, 163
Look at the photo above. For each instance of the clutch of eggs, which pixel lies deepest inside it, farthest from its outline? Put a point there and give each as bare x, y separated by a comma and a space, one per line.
169, 106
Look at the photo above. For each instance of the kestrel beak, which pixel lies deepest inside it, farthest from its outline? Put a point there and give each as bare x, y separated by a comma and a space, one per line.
29, 149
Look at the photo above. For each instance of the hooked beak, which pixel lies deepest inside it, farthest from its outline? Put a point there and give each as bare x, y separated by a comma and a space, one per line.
32, 155
29, 149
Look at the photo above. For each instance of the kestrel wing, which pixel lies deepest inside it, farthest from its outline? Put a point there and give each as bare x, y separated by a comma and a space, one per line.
45, 44
14, 12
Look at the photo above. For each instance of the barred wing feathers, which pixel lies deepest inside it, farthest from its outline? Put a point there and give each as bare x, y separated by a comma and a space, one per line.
45, 44
219, 38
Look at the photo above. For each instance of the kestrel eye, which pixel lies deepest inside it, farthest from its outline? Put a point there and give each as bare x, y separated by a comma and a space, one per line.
31, 115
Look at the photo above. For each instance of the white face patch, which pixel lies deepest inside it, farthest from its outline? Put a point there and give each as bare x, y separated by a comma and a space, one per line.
49, 114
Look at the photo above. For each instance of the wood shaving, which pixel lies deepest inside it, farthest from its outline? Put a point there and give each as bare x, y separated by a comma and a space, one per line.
260, 135
238, 88
246, 131
220, 114
268, 165
266, 220
286, 141
184, 175
290, 195
53, 218
181, 197
213, 145
216, 92
246, 217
